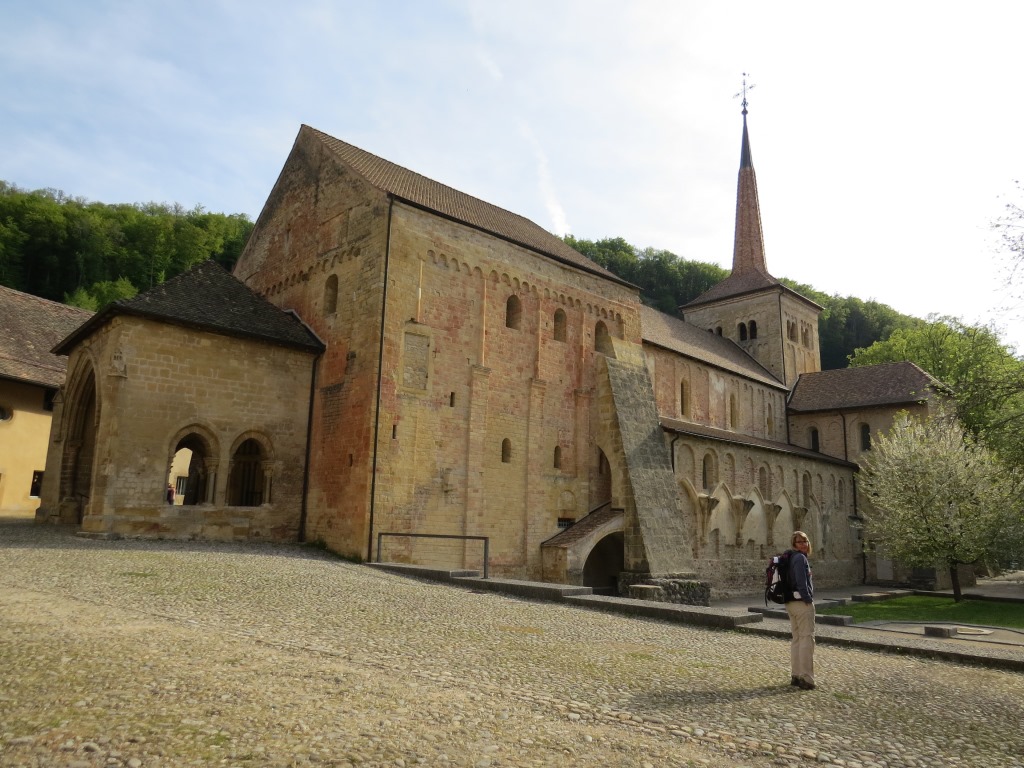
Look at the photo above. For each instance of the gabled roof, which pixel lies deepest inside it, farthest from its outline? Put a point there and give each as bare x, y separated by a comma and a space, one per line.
900, 383
440, 199
30, 328
737, 438
209, 298
679, 336
737, 284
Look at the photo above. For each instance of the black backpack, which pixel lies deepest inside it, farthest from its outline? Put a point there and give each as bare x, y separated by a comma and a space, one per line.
776, 579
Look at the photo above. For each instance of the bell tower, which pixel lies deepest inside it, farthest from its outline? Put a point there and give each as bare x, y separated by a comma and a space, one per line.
772, 323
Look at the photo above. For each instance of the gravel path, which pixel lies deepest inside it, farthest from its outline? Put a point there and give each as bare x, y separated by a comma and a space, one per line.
133, 653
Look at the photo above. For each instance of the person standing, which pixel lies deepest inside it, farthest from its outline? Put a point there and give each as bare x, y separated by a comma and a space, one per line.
169, 494
800, 607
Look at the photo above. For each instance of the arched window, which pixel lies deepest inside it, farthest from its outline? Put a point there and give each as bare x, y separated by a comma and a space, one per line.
733, 412
559, 325
814, 439
742, 329
718, 330
506, 451
557, 463
245, 485
684, 400
865, 437
769, 422
763, 482
752, 325
709, 471
513, 312
602, 339
331, 295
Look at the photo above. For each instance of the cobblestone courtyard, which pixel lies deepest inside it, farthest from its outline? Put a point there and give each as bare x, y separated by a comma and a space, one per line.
163, 654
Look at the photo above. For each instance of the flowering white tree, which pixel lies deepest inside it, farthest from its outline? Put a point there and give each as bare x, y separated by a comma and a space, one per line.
941, 497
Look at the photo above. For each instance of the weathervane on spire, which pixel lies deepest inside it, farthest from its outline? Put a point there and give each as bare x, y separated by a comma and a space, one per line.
743, 93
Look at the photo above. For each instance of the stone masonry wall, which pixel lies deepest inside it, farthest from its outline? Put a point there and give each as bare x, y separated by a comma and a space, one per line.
318, 248
660, 544
486, 427
157, 383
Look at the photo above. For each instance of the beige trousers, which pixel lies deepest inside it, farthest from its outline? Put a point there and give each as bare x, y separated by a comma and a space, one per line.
801, 649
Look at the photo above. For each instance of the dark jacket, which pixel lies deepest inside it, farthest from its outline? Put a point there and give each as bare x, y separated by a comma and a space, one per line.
800, 578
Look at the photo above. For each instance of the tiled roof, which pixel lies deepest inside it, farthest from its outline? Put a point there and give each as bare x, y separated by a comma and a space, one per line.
735, 285
862, 387
30, 328
209, 298
438, 198
737, 438
687, 339
584, 527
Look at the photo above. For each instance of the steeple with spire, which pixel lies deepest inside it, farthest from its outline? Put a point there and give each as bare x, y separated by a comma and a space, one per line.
774, 324
748, 247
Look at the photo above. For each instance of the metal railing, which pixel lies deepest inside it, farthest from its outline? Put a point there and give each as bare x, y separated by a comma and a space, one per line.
484, 539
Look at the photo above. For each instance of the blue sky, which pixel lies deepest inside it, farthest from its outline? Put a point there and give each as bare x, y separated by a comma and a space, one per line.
885, 135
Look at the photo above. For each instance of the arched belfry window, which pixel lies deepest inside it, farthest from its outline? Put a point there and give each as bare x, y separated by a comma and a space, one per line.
557, 463
815, 444
506, 451
331, 295
742, 328
513, 312
559, 325
752, 325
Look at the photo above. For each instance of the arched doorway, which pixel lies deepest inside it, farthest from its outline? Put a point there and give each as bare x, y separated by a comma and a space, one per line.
604, 564
79, 448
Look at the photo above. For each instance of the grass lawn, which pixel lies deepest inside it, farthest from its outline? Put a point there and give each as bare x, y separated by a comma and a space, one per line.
937, 609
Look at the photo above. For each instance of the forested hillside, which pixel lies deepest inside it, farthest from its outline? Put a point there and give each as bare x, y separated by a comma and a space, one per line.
84, 253
667, 281
88, 254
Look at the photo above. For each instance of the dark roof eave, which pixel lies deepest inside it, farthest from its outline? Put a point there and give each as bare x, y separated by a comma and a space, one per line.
771, 289
858, 406
766, 445
29, 382
112, 310
560, 259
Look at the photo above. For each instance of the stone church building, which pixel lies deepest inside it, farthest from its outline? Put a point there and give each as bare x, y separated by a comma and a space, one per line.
397, 369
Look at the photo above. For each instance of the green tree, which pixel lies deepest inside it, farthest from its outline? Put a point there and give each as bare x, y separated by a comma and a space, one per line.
986, 379
53, 246
102, 293
941, 497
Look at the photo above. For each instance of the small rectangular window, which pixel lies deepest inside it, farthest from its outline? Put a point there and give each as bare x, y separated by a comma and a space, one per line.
37, 484
565, 522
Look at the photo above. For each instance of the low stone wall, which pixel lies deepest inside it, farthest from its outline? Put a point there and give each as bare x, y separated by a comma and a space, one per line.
678, 588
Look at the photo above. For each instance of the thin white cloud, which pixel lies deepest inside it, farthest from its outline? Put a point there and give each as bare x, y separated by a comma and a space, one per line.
554, 208
875, 172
